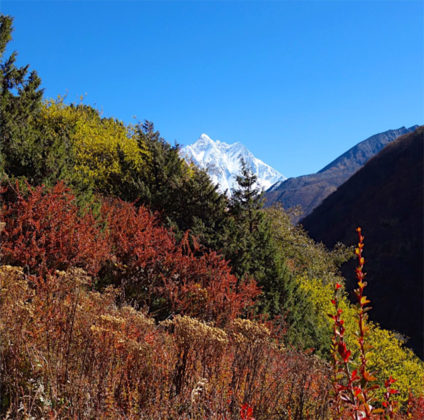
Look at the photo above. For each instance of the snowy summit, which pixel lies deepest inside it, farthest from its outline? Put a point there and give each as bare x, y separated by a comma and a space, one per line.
222, 162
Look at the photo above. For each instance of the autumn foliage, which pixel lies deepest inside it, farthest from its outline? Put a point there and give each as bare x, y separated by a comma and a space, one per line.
45, 231
72, 347
165, 275
80, 355
72, 353
354, 386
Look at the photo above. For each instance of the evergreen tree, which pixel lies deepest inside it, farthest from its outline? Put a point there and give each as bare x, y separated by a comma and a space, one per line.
247, 239
247, 199
20, 101
206, 216
165, 172
252, 250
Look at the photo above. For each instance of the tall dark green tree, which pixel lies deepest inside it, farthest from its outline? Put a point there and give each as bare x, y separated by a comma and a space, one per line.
247, 239
20, 101
252, 250
207, 208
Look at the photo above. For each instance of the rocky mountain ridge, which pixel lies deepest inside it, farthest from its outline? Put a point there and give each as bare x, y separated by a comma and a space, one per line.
308, 191
222, 162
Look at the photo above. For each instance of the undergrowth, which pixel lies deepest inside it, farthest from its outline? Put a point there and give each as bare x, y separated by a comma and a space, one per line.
72, 349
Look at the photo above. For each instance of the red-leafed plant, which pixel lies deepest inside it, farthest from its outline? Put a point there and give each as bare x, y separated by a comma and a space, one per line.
388, 403
45, 231
246, 412
415, 407
166, 276
354, 389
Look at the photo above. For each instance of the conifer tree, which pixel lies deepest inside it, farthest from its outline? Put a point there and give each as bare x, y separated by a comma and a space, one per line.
20, 101
165, 172
247, 199
247, 236
252, 250
206, 216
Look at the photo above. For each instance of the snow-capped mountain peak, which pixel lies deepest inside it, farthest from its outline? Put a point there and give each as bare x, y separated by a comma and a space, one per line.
204, 139
222, 161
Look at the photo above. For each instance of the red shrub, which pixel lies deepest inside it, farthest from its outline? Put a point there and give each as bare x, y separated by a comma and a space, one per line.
166, 275
44, 232
416, 407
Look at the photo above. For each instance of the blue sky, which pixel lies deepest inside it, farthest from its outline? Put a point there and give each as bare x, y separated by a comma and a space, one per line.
297, 82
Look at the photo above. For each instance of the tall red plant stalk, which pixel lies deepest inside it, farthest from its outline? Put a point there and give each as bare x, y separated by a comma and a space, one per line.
366, 377
343, 391
355, 388
389, 404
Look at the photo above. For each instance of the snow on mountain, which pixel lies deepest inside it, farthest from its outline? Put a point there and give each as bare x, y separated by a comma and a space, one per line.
222, 162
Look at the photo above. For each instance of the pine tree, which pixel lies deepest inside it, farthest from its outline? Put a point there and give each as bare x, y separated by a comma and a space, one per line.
20, 101
253, 252
165, 172
246, 240
206, 214
247, 199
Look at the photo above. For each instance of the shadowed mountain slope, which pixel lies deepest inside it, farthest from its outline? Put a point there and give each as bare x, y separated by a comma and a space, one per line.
385, 198
309, 191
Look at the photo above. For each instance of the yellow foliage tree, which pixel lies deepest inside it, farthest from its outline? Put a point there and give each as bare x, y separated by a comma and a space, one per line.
101, 147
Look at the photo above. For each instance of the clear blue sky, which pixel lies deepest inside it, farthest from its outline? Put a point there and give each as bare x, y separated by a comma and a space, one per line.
298, 82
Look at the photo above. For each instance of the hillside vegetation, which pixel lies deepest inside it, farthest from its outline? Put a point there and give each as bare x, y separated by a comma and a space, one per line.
131, 289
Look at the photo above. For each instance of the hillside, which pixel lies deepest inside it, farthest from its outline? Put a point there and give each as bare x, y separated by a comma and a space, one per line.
385, 198
308, 191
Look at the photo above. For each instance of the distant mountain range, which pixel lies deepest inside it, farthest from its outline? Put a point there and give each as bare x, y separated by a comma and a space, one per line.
385, 198
308, 191
222, 162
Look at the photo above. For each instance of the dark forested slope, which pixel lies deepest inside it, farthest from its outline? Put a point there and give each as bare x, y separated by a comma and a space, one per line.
385, 198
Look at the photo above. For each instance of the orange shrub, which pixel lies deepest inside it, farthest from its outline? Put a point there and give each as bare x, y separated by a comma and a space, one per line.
168, 277
44, 231
67, 352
